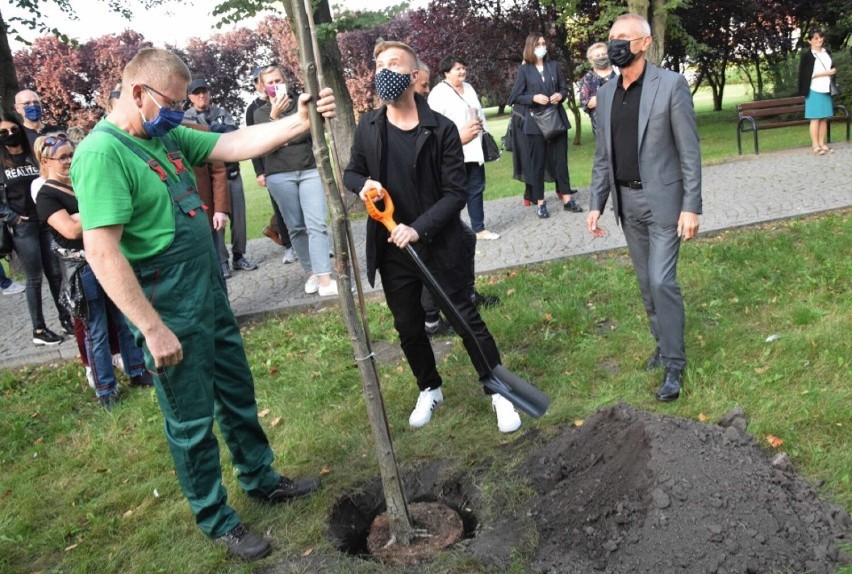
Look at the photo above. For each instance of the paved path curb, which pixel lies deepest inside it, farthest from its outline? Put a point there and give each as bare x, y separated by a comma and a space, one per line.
743, 191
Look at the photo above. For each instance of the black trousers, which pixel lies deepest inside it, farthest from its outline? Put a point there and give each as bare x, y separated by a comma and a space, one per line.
402, 285
430, 305
551, 155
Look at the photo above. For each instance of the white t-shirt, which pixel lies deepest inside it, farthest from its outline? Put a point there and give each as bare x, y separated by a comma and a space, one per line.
823, 63
445, 100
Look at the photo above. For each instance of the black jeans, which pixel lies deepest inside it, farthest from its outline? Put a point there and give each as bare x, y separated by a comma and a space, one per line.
426, 298
402, 286
33, 242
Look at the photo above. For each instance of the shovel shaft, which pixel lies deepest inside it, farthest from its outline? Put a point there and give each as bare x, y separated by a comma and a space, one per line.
498, 379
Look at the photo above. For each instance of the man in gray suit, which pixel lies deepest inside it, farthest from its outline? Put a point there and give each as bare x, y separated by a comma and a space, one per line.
648, 159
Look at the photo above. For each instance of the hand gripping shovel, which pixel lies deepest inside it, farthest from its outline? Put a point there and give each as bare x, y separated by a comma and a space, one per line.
499, 379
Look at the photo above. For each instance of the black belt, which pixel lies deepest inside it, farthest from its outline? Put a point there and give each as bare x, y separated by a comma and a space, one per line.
630, 184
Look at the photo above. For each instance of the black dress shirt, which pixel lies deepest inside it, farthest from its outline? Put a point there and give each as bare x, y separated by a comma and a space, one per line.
625, 129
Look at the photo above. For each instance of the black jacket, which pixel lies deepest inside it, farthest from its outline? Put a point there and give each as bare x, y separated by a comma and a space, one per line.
528, 83
439, 170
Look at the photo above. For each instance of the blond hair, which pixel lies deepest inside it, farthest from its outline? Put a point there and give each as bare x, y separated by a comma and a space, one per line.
43, 152
154, 66
388, 44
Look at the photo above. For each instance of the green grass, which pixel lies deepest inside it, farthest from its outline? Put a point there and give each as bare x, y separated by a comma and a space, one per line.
78, 484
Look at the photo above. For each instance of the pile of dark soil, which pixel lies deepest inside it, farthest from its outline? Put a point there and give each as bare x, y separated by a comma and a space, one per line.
634, 492
627, 492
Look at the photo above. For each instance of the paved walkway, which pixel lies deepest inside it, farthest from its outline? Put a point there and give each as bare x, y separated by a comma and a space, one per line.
744, 191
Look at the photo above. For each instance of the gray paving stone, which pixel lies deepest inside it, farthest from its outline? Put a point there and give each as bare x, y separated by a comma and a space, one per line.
744, 191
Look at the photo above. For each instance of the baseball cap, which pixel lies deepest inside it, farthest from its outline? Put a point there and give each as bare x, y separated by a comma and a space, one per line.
197, 85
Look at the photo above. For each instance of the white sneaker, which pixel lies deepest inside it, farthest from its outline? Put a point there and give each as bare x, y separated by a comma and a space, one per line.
13, 288
289, 256
118, 362
312, 285
485, 234
90, 377
508, 419
427, 402
326, 290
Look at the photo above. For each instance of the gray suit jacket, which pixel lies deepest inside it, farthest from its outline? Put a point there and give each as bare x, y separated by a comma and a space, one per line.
669, 153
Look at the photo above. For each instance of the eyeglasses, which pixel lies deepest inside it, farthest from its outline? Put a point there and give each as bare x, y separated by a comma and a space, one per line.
30, 103
64, 158
10, 131
176, 105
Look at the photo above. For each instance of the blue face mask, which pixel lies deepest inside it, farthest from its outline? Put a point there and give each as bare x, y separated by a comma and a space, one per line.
33, 113
167, 120
391, 85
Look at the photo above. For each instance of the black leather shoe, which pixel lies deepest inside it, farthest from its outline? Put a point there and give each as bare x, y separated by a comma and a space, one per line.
655, 361
542, 211
572, 207
672, 383
245, 544
286, 489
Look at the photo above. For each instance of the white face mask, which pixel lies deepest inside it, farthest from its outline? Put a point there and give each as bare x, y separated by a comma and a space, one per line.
540, 52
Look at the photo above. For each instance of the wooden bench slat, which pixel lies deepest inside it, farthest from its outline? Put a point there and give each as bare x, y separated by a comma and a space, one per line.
773, 111
766, 104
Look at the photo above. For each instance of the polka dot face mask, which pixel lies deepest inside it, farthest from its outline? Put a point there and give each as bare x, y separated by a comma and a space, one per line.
390, 85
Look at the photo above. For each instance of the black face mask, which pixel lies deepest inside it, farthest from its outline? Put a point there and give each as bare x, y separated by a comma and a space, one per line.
12, 139
619, 53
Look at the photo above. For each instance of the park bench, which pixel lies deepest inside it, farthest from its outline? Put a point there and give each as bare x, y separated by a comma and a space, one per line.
780, 113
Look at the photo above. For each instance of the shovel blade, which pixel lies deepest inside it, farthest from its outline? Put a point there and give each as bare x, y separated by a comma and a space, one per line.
517, 391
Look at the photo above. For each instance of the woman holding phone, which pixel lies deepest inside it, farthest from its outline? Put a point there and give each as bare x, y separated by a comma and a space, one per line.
294, 182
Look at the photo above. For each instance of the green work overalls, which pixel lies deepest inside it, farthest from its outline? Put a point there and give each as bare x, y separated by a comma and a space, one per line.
184, 285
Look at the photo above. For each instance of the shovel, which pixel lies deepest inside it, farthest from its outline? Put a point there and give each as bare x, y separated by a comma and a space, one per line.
499, 379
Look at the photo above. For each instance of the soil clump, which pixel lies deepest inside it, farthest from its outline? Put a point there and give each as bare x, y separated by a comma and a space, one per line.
631, 491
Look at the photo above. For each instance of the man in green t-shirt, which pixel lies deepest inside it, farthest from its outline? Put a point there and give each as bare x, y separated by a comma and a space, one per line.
149, 244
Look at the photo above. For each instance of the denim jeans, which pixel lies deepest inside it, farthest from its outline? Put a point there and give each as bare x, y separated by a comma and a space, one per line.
301, 198
101, 309
474, 190
33, 242
4, 280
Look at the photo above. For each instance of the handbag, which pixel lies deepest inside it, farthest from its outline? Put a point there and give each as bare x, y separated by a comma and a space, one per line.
489, 147
508, 144
833, 89
549, 122
72, 295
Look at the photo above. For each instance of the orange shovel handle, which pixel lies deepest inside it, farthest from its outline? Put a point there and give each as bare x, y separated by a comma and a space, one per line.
385, 217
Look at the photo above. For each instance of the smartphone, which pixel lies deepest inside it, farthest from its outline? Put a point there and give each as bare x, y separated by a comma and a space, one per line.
280, 90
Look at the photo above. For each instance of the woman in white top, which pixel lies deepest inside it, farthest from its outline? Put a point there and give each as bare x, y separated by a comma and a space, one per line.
815, 73
457, 100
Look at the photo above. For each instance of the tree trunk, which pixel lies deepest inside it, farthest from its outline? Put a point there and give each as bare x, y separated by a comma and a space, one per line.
8, 76
332, 72
401, 526
655, 12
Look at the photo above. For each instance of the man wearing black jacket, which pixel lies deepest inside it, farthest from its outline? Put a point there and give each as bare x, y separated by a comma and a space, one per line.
416, 154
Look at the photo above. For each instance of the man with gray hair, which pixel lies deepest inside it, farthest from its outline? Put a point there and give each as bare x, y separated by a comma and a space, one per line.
220, 121
150, 246
29, 107
647, 157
